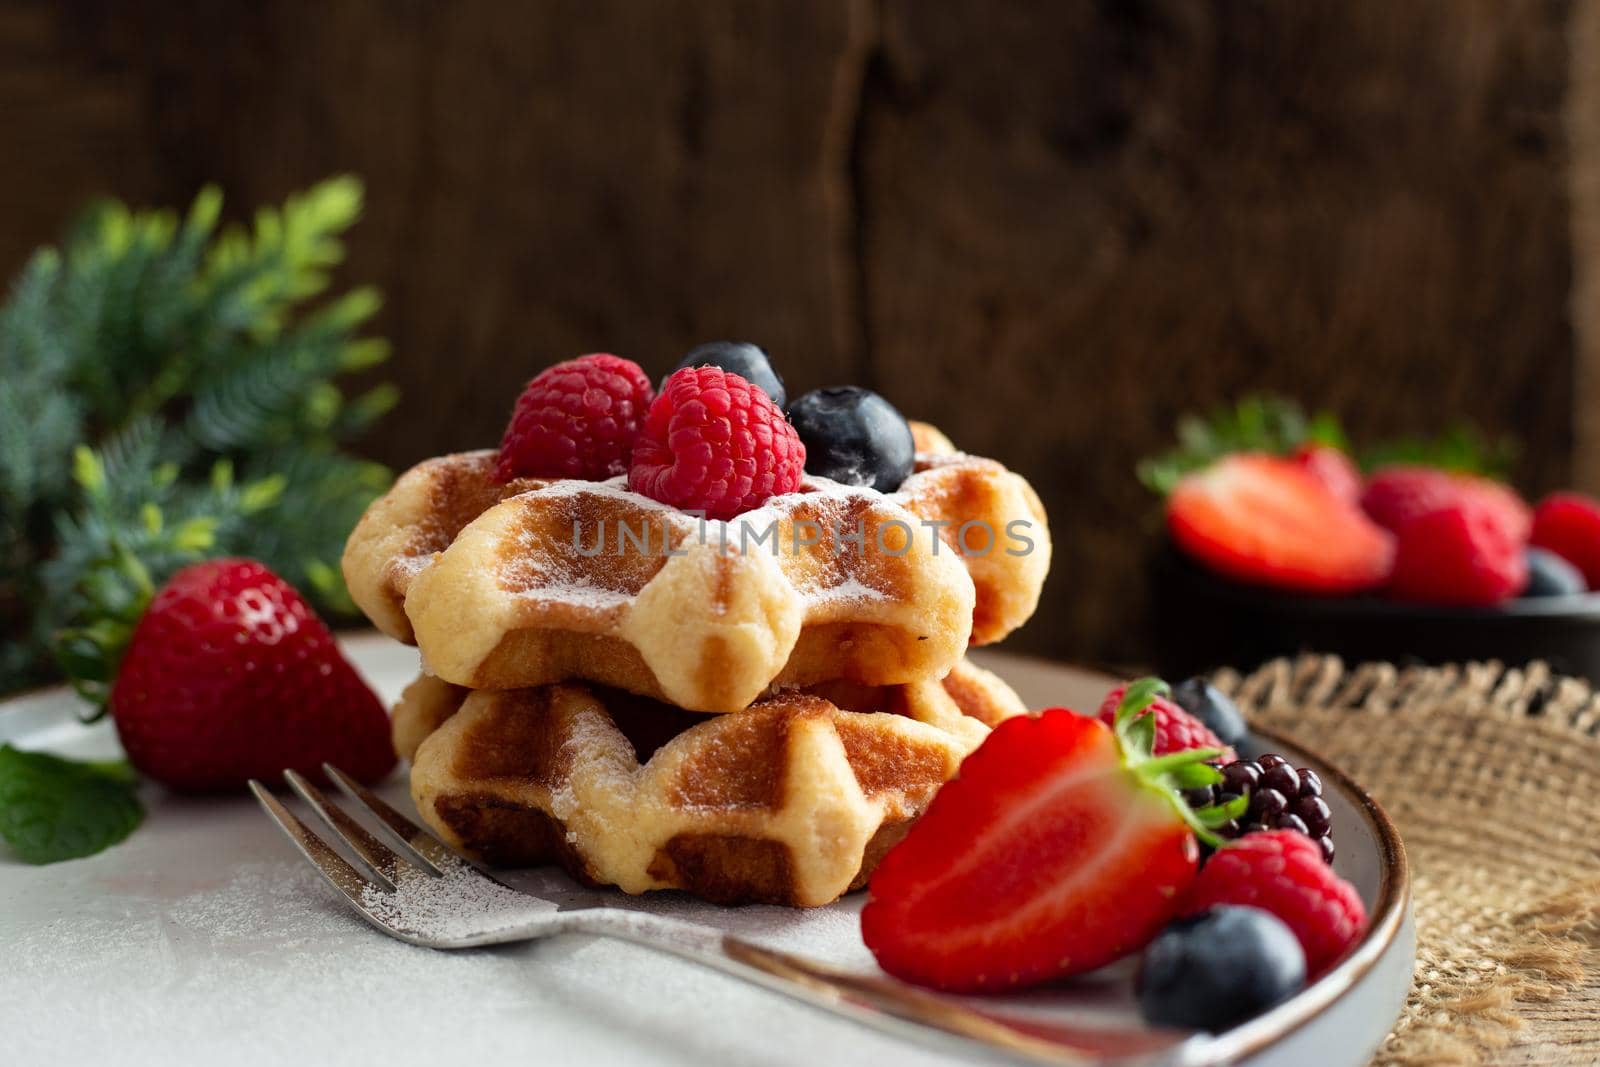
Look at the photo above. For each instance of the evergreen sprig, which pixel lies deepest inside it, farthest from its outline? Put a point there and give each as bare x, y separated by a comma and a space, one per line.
169, 389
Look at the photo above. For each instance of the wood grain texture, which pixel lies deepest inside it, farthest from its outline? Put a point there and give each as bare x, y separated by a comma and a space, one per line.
1049, 229
1357, 204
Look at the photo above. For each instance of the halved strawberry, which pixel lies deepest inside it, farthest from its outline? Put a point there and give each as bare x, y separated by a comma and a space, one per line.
1266, 520
1062, 845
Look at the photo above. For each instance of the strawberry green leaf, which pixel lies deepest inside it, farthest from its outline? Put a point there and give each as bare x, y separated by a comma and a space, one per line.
1217, 814
1175, 763
1259, 422
1138, 696
1196, 776
54, 809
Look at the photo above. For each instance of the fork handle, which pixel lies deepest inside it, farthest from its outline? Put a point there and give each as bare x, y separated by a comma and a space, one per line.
879, 1003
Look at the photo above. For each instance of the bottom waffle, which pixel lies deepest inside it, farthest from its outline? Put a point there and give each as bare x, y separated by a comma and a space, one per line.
791, 801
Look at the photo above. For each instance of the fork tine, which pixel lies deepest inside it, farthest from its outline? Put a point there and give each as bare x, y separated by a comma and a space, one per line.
401, 831
332, 866
379, 859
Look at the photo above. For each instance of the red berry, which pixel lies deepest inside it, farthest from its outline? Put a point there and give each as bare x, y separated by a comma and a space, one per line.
1568, 524
1333, 467
577, 419
713, 442
1047, 855
1396, 494
1262, 519
230, 676
1176, 729
1282, 872
1459, 553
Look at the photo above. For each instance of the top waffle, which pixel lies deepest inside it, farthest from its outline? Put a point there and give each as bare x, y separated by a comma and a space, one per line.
538, 581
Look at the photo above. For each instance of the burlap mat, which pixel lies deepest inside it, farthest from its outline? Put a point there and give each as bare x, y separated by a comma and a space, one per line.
1493, 777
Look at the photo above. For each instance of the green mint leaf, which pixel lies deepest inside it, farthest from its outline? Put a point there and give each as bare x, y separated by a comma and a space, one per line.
54, 809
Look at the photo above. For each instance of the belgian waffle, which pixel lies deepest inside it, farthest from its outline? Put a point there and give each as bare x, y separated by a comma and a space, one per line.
494, 585
791, 801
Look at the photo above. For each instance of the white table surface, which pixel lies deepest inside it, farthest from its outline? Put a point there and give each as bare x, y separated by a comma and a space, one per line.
204, 939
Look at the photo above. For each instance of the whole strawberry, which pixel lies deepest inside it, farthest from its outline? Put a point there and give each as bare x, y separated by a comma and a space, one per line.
1395, 495
230, 676
1462, 552
1568, 524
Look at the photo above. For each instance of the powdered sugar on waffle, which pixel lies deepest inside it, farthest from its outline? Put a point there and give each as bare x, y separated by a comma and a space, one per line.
567, 576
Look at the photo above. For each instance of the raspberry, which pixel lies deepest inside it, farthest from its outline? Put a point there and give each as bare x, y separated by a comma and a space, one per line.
1176, 729
1459, 553
1282, 872
1568, 524
715, 443
576, 419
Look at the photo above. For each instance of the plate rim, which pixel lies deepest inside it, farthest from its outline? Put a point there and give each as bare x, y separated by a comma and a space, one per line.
1384, 925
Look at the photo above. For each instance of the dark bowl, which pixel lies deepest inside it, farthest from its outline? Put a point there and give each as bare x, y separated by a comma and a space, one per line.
1203, 621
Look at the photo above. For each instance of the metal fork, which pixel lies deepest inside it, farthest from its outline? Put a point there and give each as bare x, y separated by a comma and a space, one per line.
411, 886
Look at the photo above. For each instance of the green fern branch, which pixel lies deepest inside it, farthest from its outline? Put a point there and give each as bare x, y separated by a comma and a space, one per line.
155, 357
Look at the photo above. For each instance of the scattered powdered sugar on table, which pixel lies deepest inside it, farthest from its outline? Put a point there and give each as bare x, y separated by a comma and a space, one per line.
263, 964
460, 905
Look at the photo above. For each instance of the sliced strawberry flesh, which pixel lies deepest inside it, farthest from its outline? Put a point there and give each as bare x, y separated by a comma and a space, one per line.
1046, 856
1267, 520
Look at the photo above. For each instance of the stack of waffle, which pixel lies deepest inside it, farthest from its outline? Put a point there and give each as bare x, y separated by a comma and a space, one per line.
750, 711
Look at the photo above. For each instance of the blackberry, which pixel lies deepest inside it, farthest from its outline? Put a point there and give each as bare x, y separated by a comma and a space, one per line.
1282, 797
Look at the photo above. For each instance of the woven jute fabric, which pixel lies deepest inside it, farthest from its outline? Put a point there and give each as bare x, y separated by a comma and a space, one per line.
1492, 775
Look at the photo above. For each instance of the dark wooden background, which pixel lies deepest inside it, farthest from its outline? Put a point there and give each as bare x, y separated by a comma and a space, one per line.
1047, 228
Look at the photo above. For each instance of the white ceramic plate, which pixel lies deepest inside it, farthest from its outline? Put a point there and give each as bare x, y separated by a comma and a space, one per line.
204, 938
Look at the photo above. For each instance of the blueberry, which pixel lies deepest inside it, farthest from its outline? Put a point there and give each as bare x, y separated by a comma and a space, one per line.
1218, 969
853, 435
1208, 704
746, 360
1550, 575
